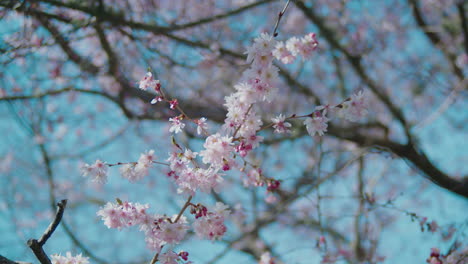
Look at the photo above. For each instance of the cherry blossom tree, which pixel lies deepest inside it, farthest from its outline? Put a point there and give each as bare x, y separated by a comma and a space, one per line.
200, 131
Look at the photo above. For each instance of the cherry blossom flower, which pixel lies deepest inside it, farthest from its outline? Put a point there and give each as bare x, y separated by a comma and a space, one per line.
97, 171
317, 124
189, 155
254, 178
280, 125
137, 171
266, 259
282, 54
355, 108
304, 47
149, 82
123, 215
173, 233
157, 99
293, 45
217, 149
434, 258
173, 104
190, 180
308, 45
177, 125
456, 257
69, 259
260, 51
184, 255
147, 158
201, 125
169, 257
211, 225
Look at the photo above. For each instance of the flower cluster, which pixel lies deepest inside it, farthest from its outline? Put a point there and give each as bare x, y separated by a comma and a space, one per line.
188, 178
287, 53
171, 257
69, 259
455, 257
123, 214
159, 230
210, 224
354, 108
137, 171
317, 124
435, 257
237, 138
280, 125
97, 171
149, 82
177, 124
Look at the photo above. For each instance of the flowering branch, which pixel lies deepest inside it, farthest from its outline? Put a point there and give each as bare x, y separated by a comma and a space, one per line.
186, 205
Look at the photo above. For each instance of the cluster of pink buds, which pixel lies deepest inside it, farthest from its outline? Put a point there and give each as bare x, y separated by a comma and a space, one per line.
198, 210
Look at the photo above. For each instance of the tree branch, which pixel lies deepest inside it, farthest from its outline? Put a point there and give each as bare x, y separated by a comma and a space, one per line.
36, 245
435, 39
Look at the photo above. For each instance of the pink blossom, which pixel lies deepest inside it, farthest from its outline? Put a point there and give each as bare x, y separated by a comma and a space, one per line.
173, 104
217, 149
250, 124
254, 178
260, 51
137, 171
169, 257
280, 125
157, 99
316, 125
184, 255
434, 258
308, 45
189, 155
282, 54
243, 148
173, 233
190, 180
201, 125
97, 171
147, 158
293, 45
149, 82
123, 215
211, 225
177, 125
69, 259
355, 108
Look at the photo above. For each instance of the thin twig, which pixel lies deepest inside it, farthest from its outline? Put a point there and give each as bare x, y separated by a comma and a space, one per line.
280, 15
